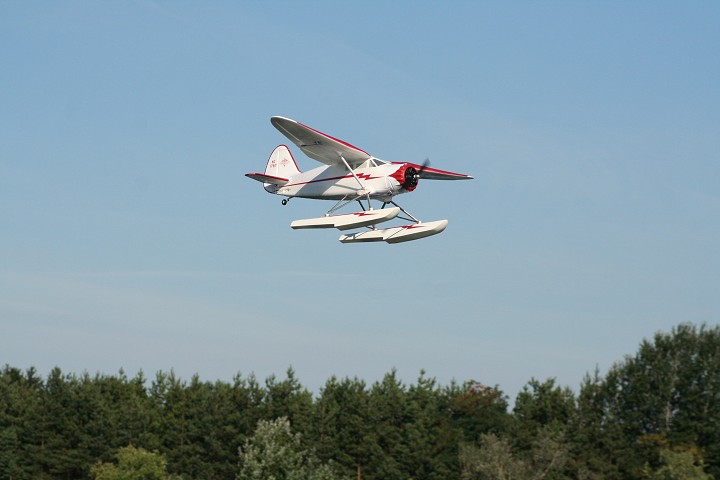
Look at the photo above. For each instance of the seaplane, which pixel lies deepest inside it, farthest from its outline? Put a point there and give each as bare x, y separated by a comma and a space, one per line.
349, 175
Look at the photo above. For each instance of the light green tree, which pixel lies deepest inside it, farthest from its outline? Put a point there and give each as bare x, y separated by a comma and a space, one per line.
495, 459
679, 466
274, 452
133, 464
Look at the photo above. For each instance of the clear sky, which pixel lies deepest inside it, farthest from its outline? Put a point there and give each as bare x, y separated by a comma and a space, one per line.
129, 237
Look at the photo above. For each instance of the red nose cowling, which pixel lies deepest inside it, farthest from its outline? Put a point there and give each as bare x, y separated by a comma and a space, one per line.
407, 176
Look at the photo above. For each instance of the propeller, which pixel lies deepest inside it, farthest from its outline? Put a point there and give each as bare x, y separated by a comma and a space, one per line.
424, 165
412, 175
409, 174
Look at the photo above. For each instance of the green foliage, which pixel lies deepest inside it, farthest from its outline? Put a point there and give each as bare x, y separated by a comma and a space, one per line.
540, 405
664, 396
388, 415
341, 430
543, 403
287, 398
274, 452
132, 464
477, 409
495, 459
653, 414
431, 440
679, 466
20, 407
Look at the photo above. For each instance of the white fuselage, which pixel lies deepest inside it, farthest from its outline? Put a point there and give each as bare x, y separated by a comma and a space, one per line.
336, 183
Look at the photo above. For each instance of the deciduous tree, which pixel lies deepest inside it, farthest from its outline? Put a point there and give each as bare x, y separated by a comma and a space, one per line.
274, 452
132, 464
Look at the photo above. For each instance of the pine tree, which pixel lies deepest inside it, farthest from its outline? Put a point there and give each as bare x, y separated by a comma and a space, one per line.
431, 452
288, 399
540, 405
343, 431
477, 409
388, 415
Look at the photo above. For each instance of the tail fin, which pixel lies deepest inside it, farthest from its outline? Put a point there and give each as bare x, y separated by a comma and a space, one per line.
281, 163
280, 168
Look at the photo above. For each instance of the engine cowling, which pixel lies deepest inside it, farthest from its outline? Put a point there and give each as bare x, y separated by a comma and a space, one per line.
407, 176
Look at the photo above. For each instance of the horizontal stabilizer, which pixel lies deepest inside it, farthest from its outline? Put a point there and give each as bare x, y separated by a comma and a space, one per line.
348, 220
261, 177
403, 233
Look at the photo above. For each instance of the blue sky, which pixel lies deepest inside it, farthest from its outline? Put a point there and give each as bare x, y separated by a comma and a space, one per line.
129, 237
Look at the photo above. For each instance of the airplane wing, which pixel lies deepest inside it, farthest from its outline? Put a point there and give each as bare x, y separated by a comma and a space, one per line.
319, 146
429, 173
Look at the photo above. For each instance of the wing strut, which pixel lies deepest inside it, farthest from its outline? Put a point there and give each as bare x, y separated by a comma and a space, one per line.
403, 210
363, 191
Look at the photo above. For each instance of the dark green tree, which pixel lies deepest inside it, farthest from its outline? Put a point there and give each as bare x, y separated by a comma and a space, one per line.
62, 420
20, 428
430, 444
598, 440
388, 415
541, 405
185, 423
664, 396
343, 432
648, 416
290, 399
476, 409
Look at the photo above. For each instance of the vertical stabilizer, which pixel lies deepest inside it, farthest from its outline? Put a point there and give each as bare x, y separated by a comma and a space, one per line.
281, 163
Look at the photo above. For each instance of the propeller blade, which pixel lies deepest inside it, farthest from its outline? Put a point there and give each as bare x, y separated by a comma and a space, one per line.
425, 164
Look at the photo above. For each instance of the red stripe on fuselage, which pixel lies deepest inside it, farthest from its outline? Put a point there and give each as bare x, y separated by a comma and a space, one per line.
364, 176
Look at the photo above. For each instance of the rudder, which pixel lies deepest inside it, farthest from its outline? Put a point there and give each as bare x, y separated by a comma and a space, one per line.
281, 163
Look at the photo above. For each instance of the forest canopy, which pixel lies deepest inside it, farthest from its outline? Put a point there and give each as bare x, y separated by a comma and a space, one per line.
653, 415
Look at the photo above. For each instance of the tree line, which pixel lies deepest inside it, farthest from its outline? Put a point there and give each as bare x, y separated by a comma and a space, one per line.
653, 415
